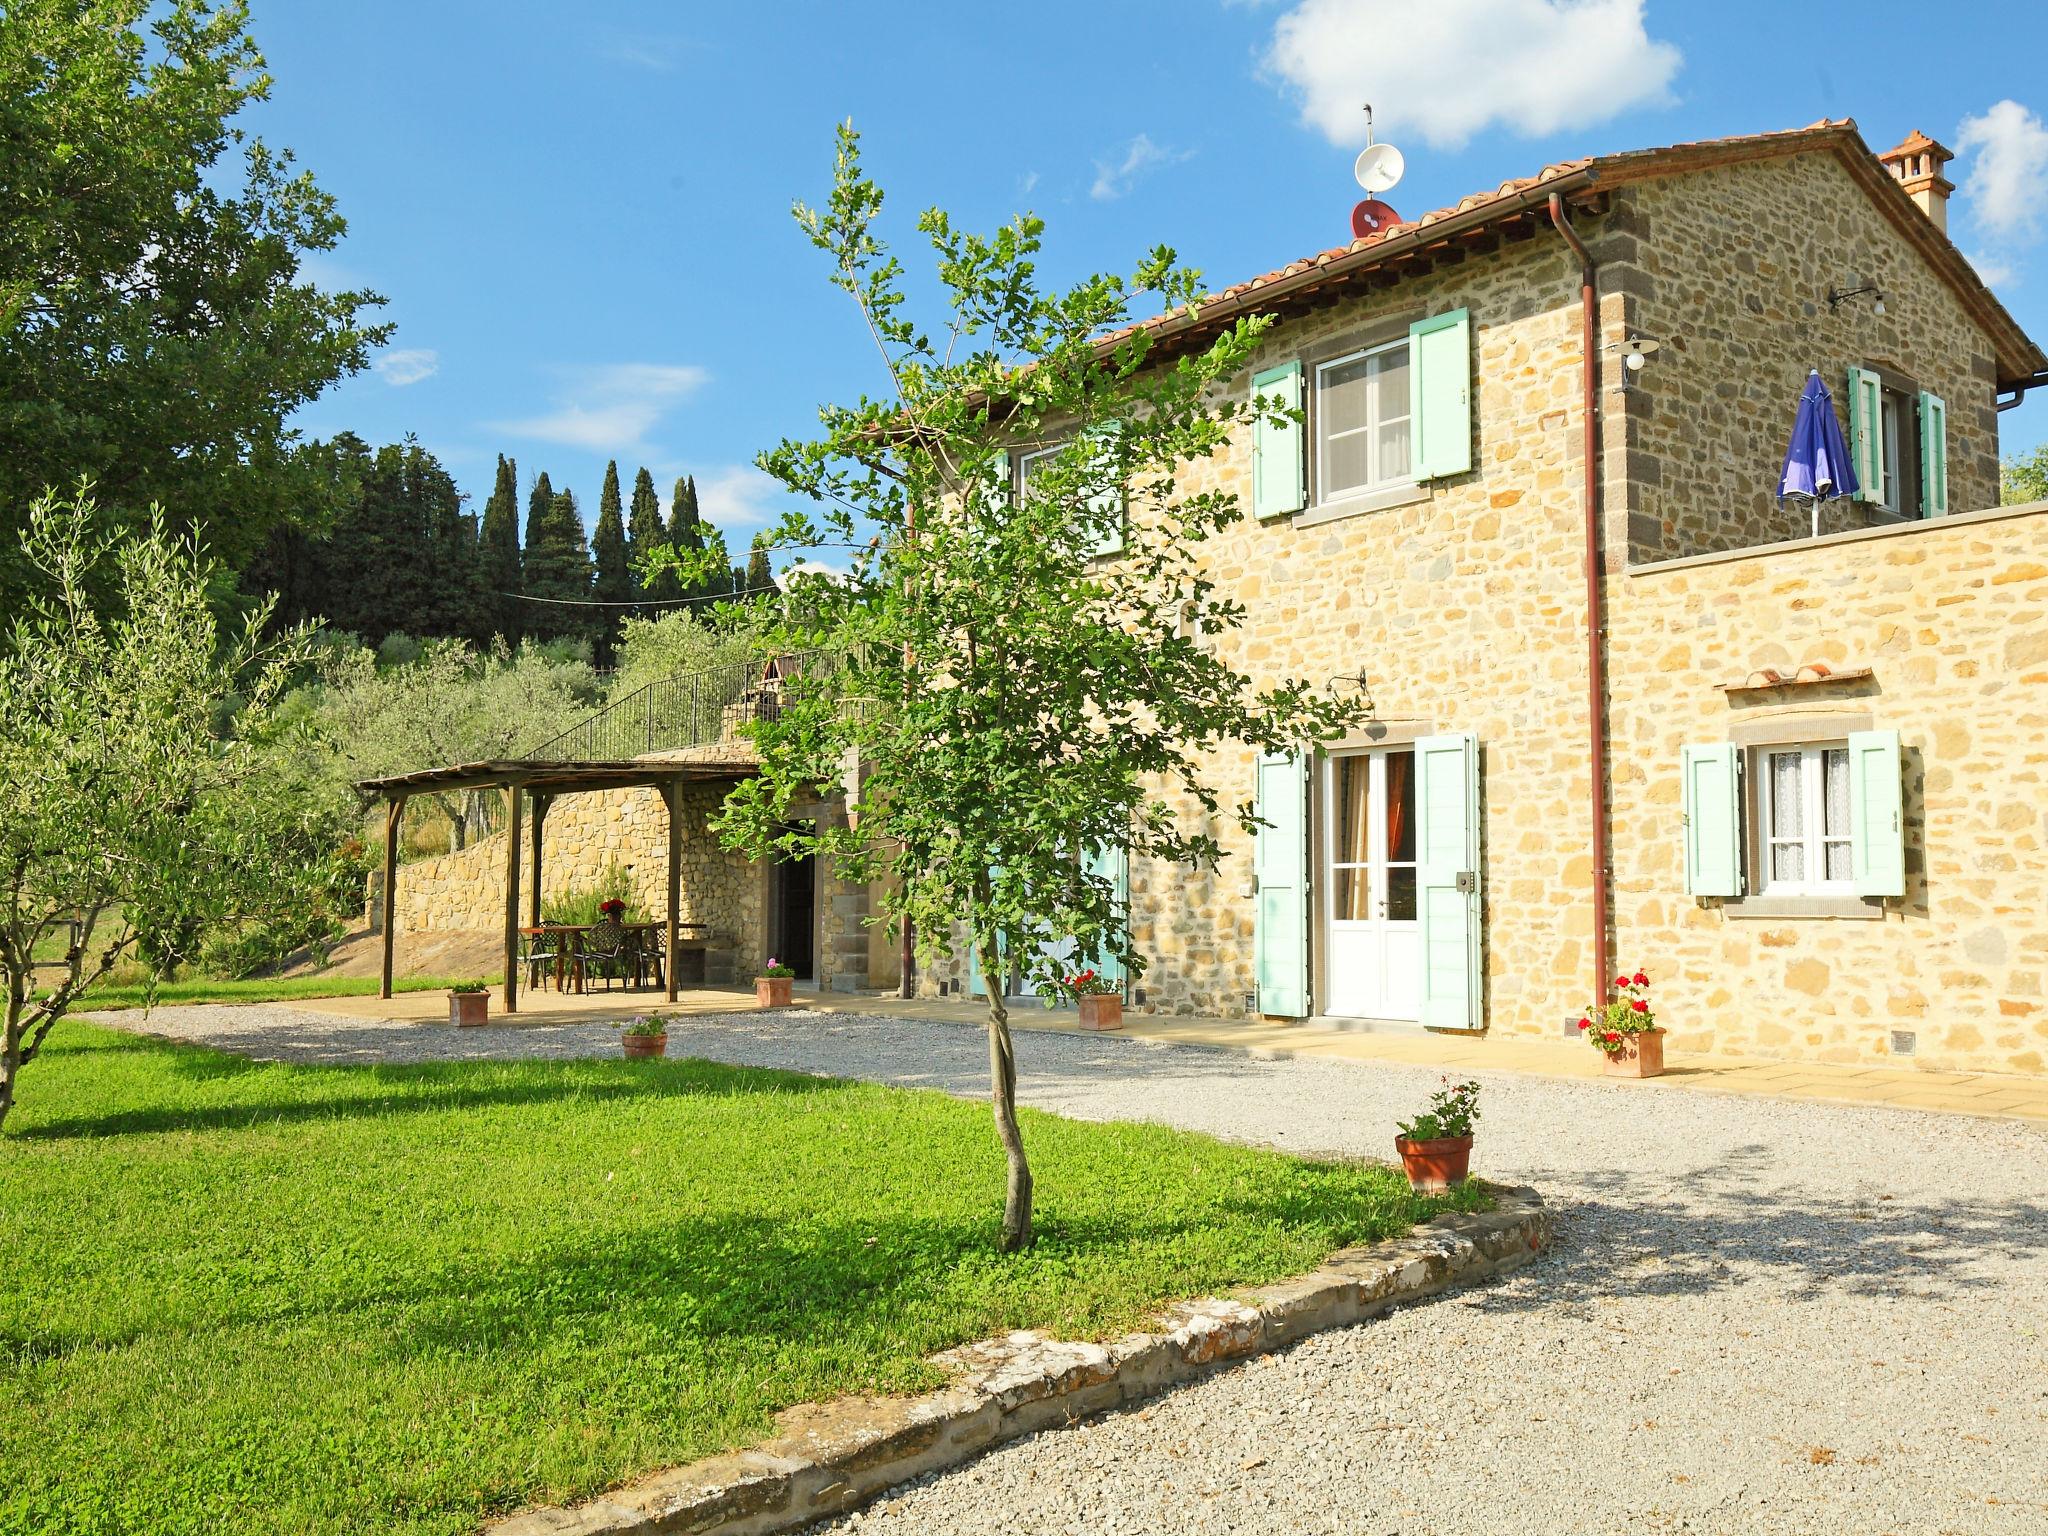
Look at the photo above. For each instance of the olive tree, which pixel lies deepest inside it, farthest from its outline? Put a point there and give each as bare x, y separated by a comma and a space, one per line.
1032, 672
139, 806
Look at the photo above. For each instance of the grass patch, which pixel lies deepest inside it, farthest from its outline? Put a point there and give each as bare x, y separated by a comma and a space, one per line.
253, 989
269, 1298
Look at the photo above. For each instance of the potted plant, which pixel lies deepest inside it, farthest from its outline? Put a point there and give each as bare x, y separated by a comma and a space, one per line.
469, 1003
1436, 1146
1625, 1031
1100, 1000
773, 986
645, 1034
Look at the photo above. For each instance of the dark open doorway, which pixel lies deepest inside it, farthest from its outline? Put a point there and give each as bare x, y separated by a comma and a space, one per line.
795, 900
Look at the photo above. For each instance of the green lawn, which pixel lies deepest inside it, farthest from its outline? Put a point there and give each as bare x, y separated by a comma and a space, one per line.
262, 1298
256, 989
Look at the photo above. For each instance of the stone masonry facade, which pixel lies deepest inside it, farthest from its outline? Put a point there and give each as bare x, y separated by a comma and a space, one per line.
1465, 609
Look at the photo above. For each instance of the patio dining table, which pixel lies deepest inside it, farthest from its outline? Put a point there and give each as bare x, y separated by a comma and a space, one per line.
566, 968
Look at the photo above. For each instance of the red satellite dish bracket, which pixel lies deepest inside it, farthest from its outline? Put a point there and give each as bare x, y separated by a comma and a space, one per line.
1372, 217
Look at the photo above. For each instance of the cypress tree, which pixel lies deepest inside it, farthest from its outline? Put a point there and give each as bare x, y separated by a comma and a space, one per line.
614, 577
760, 575
684, 531
558, 566
498, 554
646, 532
536, 620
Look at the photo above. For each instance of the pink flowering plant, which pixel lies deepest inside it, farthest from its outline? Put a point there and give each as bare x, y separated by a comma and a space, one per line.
1608, 1025
775, 970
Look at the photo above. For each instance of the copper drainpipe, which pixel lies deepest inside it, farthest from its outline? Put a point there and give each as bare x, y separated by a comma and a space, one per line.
1596, 651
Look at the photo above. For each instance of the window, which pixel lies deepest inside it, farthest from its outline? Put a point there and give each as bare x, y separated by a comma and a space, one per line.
1031, 465
1899, 476
1361, 421
1803, 826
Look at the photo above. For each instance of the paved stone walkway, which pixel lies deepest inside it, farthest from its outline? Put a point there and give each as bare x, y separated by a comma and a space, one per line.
1764, 1316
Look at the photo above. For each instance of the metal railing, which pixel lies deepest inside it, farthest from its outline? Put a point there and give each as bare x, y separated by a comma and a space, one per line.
687, 709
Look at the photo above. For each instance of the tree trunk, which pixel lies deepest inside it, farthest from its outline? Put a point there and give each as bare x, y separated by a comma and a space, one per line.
10, 1055
1002, 1074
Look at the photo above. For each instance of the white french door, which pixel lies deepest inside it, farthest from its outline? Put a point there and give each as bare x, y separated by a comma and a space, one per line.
1372, 944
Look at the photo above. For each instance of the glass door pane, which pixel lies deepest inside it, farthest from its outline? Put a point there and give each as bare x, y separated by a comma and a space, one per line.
1351, 898
1400, 835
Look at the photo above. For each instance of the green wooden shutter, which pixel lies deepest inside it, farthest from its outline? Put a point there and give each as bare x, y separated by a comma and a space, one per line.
1280, 862
1713, 819
1109, 500
1279, 468
1866, 433
1933, 455
1440, 395
1447, 878
1877, 821
1111, 862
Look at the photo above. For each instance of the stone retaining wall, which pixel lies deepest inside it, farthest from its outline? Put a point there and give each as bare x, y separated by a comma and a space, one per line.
832, 1457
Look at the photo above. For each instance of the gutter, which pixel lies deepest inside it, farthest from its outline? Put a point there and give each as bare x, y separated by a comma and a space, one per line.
1596, 648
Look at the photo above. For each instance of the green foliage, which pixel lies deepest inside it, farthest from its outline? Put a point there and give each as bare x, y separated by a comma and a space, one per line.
310, 1300
1012, 698
645, 1026
498, 554
156, 330
110, 995
684, 640
363, 720
556, 566
137, 771
614, 577
2024, 477
469, 988
583, 905
1453, 1111
760, 575
646, 532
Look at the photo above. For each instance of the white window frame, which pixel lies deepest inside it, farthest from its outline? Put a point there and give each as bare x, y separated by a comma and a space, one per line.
1325, 493
1024, 466
1814, 837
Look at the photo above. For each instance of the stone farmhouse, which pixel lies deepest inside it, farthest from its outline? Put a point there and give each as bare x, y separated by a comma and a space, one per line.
1630, 710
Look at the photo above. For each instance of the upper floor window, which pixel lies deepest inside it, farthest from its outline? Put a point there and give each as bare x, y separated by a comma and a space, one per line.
1361, 420
1898, 438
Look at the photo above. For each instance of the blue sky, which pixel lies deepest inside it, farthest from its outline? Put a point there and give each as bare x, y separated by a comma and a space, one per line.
579, 211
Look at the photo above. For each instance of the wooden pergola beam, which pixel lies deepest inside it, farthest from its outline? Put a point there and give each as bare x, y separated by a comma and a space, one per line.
671, 796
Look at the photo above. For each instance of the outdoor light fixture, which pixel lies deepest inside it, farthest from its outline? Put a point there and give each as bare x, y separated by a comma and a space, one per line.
1364, 689
1837, 297
1635, 356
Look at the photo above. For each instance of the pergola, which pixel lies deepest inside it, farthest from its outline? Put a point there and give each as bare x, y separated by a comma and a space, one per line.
542, 783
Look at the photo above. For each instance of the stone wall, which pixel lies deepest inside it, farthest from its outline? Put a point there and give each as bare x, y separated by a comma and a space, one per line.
1732, 267
1465, 610
1952, 618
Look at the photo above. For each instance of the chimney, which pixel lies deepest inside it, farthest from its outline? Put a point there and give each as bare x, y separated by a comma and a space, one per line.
1916, 165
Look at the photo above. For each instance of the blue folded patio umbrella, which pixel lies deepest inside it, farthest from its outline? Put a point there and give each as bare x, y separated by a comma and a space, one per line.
1817, 464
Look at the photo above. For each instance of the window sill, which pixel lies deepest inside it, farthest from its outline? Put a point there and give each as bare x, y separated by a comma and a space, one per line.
1854, 908
1369, 501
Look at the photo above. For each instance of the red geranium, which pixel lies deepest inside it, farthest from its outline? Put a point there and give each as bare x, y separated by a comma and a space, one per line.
1640, 1006
1642, 980
1621, 981
1585, 1023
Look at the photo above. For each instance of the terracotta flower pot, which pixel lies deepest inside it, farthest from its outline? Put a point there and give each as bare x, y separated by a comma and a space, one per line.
644, 1045
1434, 1166
773, 991
468, 1009
1101, 1010
1640, 1055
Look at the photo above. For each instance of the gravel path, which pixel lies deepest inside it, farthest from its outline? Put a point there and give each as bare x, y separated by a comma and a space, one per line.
1762, 1316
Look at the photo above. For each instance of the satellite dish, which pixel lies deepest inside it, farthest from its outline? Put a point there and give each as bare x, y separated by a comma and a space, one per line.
1378, 167
1372, 217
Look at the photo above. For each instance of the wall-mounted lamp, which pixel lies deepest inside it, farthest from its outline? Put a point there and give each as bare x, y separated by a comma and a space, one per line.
1364, 690
1635, 357
1837, 297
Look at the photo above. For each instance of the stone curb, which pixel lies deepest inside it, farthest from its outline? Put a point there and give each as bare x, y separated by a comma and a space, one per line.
830, 1457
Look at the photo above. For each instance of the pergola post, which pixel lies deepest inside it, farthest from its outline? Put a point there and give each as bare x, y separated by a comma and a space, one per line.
540, 814
394, 820
671, 797
512, 860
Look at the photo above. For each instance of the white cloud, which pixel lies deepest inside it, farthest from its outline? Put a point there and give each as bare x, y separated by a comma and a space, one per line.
2008, 146
1445, 70
407, 365
1115, 177
643, 50
740, 496
1026, 183
610, 410
1996, 271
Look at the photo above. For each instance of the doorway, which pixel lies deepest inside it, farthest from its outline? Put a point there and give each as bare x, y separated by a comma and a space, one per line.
794, 906
1372, 944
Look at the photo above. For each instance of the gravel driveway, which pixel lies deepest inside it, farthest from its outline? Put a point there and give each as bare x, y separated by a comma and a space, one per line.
1761, 1316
